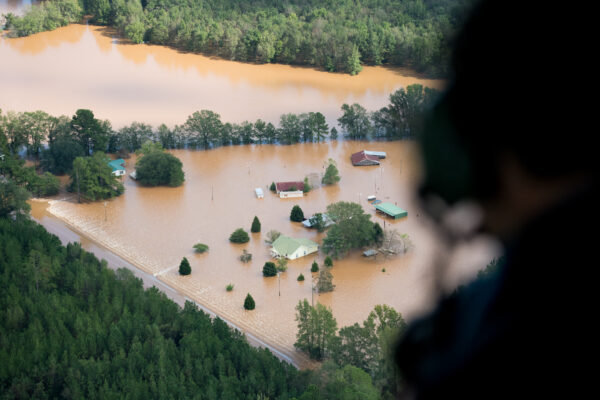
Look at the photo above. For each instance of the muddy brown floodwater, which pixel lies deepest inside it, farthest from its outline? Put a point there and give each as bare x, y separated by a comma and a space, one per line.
81, 66
153, 228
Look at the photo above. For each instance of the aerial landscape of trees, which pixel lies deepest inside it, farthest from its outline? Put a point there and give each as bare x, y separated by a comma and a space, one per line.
337, 36
73, 328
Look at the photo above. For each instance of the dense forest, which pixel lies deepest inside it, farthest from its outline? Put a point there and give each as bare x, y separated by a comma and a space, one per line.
335, 35
73, 328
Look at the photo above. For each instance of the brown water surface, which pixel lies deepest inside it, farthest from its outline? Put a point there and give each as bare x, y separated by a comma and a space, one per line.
155, 227
82, 66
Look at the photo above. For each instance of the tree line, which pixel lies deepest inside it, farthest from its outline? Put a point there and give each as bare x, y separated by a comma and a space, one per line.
68, 137
335, 35
54, 143
367, 347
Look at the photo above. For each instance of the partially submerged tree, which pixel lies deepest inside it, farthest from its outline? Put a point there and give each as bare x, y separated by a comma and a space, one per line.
93, 179
159, 168
249, 302
255, 225
352, 229
314, 267
245, 257
269, 269
282, 264
200, 247
272, 236
239, 236
184, 267
325, 281
394, 243
297, 215
332, 174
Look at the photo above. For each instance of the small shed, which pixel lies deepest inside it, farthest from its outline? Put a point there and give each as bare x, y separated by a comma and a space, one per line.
259, 193
370, 253
291, 248
362, 159
391, 210
289, 189
378, 154
117, 166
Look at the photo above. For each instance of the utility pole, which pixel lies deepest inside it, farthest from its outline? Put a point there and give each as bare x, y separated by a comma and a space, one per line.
279, 283
104, 211
312, 291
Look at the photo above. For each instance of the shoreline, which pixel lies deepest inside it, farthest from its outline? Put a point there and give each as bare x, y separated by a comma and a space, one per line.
149, 279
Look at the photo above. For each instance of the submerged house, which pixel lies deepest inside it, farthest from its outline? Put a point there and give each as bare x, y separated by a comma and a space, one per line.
118, 167
289, 189
327, 222
361, 159
378, 154
291, 248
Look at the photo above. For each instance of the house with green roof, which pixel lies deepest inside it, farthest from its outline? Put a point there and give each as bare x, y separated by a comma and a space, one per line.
391, 210
292, 248
118, 167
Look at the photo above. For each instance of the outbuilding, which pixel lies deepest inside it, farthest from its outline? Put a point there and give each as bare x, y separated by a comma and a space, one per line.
362, 159
291, 248
117, 166
391, 210
289, 189
259, 193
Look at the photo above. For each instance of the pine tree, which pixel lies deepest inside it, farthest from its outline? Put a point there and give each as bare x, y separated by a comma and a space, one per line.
249, 303
255, 225
328, 262
297, 215
269, 269
314, 267
184, 267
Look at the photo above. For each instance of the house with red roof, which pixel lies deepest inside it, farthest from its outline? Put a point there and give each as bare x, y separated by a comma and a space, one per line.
361, 159
289, 189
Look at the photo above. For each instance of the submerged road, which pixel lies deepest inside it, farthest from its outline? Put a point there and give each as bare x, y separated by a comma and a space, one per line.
66, 235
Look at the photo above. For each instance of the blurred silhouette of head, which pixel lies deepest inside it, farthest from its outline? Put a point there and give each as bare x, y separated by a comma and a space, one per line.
513, 129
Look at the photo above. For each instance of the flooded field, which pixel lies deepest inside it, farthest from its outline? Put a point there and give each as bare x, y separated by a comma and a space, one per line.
153, 228
81, 66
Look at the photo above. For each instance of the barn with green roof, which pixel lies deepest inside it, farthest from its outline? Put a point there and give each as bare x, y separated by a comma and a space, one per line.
391, 210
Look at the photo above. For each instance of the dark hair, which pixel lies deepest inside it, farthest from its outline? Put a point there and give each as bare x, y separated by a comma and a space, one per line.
514, 87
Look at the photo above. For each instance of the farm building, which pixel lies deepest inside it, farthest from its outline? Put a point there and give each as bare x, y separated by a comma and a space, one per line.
117, 166
391, 210
291, 248
259, 193
361, 159
378, 154
289, 189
